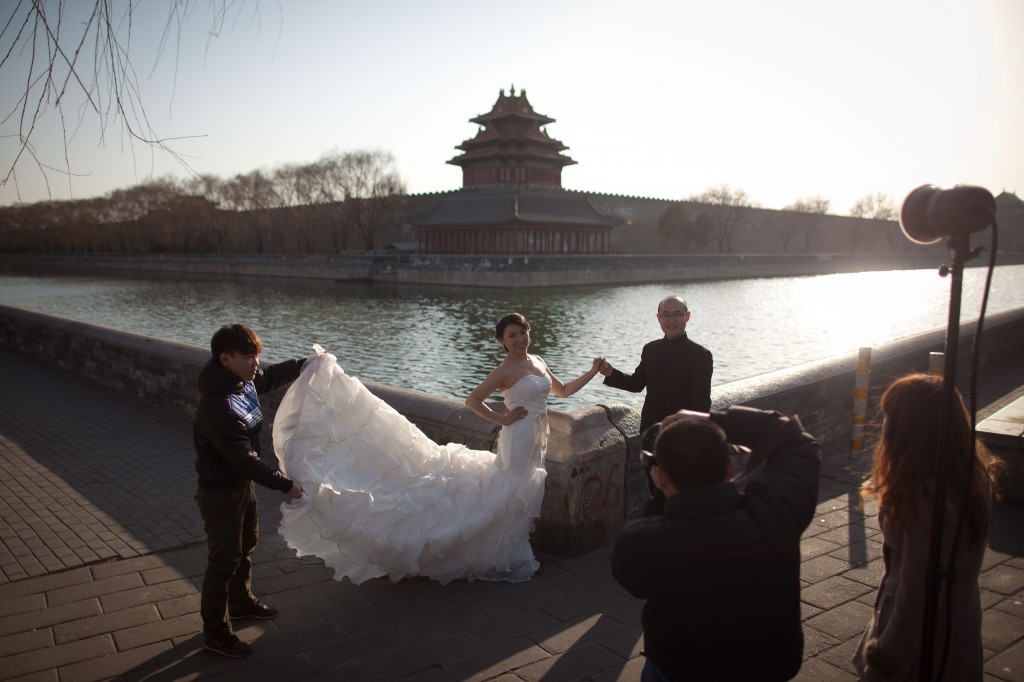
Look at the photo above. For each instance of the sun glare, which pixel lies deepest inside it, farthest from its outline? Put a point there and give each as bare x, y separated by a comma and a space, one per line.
851, 311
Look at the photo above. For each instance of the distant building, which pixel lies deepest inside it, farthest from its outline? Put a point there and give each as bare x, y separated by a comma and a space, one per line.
512, 201
1010, 211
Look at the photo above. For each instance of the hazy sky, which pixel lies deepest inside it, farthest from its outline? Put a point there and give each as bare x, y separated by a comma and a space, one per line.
657, 98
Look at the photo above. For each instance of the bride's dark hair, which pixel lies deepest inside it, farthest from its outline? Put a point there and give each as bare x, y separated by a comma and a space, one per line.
505, 320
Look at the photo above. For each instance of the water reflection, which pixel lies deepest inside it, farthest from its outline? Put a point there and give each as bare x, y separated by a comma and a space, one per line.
440, 340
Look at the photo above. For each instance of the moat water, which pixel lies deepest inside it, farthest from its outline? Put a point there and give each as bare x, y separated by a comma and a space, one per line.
440, 340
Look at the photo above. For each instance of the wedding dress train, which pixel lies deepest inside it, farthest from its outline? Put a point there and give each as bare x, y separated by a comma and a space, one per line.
382, 499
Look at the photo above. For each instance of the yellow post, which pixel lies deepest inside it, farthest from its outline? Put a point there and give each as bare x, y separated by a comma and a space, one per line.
860, 402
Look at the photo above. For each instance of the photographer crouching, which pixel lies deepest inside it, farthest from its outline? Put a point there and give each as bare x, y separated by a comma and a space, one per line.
719, 566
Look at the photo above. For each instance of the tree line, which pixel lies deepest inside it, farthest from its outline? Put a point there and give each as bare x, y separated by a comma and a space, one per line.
710, 220
350, 201
355, 201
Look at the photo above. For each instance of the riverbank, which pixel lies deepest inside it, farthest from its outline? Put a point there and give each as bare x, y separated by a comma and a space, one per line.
502, 272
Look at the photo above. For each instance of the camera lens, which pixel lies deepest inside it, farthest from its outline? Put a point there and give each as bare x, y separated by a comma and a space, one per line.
648, 437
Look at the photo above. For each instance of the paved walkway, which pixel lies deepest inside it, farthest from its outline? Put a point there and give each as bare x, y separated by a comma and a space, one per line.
102, 555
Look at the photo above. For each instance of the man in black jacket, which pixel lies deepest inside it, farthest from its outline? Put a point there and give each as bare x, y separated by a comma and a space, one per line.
720, 567
227, 442
675, 371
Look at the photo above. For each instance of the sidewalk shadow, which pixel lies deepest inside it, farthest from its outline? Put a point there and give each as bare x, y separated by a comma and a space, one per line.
114, 475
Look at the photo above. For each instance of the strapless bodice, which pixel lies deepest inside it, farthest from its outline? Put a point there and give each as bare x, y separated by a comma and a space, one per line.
522, 444
530, 392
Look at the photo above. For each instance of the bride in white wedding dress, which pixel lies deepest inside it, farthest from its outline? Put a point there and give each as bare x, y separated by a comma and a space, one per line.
384, 500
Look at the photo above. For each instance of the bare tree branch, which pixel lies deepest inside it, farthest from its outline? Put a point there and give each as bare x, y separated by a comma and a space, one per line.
878, 205
723, 208
811, 208
60, 48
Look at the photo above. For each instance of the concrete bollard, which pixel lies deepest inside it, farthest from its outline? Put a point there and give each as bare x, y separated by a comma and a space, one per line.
860, 402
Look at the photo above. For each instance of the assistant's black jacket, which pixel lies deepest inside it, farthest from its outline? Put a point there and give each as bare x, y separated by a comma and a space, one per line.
677, 375
227, 438
720, 568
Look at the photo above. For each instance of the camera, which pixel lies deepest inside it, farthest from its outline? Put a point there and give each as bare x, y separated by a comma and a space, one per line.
647, 439
739, 454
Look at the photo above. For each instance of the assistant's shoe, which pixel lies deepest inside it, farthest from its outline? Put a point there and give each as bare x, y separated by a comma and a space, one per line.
255, 610
228, 645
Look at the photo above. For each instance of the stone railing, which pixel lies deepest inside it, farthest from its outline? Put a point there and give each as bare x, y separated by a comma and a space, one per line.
493, 271
594, 480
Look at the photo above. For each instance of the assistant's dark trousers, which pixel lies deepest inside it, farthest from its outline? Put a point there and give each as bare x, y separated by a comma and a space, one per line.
232, 529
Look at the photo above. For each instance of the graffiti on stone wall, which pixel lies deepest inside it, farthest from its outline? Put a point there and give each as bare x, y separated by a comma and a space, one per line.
593, 495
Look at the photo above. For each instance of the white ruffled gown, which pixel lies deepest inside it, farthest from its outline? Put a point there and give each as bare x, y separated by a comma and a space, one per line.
382, 499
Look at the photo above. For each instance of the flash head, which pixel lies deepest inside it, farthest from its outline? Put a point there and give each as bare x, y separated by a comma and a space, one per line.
930, 213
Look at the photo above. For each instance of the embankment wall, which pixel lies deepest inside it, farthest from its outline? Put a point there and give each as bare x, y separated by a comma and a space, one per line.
504, 272
594, 481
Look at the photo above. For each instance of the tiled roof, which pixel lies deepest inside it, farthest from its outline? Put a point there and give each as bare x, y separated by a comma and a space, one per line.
1009, 205
512, 129
508, 206
512, 105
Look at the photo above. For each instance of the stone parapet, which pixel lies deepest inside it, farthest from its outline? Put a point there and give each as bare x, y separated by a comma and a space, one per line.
594, 481
358, 268
503, 272
1003, 434
821, 392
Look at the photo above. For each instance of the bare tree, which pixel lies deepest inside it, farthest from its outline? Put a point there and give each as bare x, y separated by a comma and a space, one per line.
75, 61
297, 184
369, 188
723, 208
878, 205
135, 202
250, 191
811, 210
680, 230
815, 204
210, 187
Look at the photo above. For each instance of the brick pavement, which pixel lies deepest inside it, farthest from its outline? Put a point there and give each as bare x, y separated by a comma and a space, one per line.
102, 557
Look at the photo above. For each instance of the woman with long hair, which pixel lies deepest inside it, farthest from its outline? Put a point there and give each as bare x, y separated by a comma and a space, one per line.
903, 483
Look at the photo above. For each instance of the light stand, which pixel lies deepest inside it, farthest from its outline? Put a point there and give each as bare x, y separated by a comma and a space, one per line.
960, 252
928, 215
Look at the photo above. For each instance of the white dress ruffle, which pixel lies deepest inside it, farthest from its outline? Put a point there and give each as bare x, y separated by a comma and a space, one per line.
382, 499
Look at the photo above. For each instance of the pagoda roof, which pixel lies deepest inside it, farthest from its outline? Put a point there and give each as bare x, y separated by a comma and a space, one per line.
537, 137
509, 205
512, 105
511, 151
512, 128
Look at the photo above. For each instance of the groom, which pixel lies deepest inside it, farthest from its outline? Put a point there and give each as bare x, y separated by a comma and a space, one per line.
227, 442
675, 370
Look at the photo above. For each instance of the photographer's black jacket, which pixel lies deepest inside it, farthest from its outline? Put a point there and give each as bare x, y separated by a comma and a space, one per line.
720, 568
227, 436
677, 375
